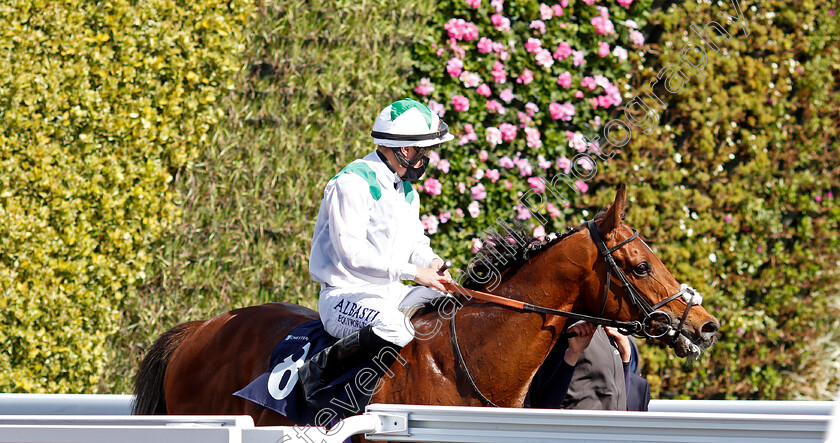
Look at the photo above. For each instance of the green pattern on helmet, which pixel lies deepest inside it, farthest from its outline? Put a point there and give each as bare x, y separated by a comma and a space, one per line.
398, 108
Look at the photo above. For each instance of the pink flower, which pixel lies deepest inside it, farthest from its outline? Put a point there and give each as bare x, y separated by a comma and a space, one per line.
563, 112
425, 87
482, 155
533, 45
545, 12
493, 175
532, 137
526, 77
469, 79
445, 216
473, 209
564, 3
525, 168
484, 90
539, 25
565, 79
620, 52
479, 174
462, 188
637, 37
578, 94
475, 4
539, 232
576, 141
506, 95
553, 212
432, 186
589, 2
558, 9
494, 136
588, 82
818, 198
565, 164
563, 50
522, 213
506, 162
508, 131
454, 67
500, 22
469, 135
625, 3
499, 75
497, 5
437, 108
537, 184
727, 218
443, 166
484, 45
542, 162
460, 103
434, 158
476, 246
531, 109
478, 192
544, 58
586, 163
508, 185
430, 223
524, 119
459, 212
582, 186
603, 49
459, 29
602, 23
494, 106
577, 57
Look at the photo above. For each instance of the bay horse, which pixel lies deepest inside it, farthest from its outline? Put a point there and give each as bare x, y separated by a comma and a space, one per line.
599, 270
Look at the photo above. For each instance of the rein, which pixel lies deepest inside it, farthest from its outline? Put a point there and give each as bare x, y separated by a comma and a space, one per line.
650, 312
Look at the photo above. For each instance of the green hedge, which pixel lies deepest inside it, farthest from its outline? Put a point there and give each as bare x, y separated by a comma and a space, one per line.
313, 81
736, 185
100, 102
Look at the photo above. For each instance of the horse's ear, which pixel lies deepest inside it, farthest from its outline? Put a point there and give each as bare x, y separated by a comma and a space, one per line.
615, 214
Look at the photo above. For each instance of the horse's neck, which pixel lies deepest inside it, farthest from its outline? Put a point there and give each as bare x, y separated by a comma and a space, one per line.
513, 344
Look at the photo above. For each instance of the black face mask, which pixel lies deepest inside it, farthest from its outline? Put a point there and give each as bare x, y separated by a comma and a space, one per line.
414, 174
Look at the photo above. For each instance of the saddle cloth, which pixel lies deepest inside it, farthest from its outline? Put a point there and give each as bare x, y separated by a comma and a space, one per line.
278, 388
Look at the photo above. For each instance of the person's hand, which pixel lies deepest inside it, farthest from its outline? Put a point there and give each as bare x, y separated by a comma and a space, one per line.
579, 342
429, 277
622, 342
436, 264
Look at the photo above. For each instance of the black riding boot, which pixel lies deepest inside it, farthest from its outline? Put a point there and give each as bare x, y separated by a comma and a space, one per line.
362, 346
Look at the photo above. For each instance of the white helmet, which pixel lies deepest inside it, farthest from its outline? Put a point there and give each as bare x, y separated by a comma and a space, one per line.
409, 123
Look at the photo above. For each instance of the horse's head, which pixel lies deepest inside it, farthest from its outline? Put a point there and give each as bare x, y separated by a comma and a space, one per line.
640, 288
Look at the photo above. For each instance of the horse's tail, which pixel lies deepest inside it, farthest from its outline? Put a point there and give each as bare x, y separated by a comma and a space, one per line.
149, 398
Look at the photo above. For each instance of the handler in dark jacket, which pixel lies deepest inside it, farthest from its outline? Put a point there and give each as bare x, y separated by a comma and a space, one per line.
605, 378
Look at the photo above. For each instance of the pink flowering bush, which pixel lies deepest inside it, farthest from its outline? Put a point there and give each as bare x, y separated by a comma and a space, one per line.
521, 84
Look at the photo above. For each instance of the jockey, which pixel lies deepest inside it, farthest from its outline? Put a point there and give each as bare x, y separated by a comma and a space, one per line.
368, 239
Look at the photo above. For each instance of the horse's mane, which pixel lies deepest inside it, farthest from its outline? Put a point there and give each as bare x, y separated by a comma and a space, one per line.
501, 253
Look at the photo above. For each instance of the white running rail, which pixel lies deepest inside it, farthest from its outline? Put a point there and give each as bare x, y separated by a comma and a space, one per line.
687, 421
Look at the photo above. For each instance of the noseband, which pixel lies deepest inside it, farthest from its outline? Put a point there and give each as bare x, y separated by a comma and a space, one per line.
653, 317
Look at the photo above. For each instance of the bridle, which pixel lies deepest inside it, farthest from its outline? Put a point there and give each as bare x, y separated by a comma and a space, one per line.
654, 324
653, 317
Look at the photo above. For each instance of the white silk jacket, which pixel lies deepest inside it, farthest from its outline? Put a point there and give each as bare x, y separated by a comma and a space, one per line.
368, 230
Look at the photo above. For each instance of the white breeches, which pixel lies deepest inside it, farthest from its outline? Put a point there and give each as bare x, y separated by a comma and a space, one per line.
346, 310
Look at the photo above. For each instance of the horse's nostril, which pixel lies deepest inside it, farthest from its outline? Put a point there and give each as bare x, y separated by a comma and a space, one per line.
710, 328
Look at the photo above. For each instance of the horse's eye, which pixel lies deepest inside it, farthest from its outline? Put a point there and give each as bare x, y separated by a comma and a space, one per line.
642, 268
